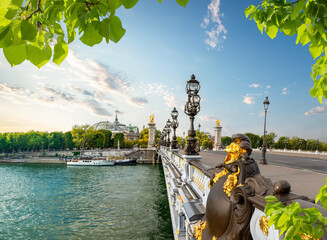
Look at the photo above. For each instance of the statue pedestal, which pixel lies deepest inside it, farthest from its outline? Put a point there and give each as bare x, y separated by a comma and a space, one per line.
152, 135
217, 145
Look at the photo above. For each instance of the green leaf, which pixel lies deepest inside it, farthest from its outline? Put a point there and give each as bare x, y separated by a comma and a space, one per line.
17, 3
113, 5
316, 50
183, 3
319, 232
38, 54
299, 6
6, 36
290, 232
289, 28
28, 31
104, 29
129, 3
250, 9
15, 54
91, 36
116, 31
272, 31
60, 51
300, 32
271, 199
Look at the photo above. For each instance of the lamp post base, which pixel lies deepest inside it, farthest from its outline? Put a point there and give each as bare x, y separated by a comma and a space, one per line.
191, 148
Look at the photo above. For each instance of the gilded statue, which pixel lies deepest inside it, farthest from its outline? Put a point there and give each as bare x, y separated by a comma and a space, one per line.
152, 118
218, 122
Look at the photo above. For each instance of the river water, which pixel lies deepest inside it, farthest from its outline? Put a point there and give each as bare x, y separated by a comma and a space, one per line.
40, 201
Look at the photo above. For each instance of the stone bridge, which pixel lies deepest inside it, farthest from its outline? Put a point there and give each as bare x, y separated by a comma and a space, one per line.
201, 210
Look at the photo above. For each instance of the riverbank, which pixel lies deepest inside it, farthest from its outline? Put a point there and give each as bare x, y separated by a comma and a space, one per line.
40, 160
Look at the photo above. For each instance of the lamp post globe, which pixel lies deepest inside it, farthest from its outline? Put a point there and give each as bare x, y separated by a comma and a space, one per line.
192, 86
264, 145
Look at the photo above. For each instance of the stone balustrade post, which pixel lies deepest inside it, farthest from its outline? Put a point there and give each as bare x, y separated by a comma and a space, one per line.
188, 170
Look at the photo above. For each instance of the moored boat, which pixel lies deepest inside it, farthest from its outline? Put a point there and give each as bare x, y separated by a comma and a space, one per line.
126, 161
90, 162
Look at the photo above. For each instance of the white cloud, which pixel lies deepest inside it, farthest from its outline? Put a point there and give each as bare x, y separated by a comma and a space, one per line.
251, 114
254, 85
207, 118
162, 91
285, 91
261, 114
216, 31
87, 85
248, 99
320, 110
268, 86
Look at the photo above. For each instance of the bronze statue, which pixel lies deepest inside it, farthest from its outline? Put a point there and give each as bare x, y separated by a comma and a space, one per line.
152, 118
218, 122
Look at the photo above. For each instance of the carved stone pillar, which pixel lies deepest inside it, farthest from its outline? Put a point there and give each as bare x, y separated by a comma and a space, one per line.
217, 145
152, 133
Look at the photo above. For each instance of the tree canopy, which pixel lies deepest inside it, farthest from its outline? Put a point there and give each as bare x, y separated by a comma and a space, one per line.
307, 19
36, 30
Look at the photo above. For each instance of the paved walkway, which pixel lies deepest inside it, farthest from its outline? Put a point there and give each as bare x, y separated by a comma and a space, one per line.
303, 182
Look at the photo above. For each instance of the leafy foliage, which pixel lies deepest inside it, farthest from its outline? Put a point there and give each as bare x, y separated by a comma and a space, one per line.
297, 222
36, 30
305, 18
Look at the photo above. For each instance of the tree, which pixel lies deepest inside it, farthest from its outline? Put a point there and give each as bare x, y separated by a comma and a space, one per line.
27, 27
107, 137
97, 140
255, 140
225, 141
270, 139
307, 20
81, 135
119, 137
283, 142
69, 143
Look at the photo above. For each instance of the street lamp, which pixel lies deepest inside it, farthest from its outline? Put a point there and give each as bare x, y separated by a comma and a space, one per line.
192, 107
263, 159
164, 134
199, 127
168, 124
174, 125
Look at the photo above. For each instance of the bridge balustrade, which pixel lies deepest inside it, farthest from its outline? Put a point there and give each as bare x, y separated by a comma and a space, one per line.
187, 183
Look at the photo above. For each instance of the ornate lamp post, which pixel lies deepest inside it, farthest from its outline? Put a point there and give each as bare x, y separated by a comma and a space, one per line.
168, 124
264, 147
199, 129
164, 134
192, 107
174, 125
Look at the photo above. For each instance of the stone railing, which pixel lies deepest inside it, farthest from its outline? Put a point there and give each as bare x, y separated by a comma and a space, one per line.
197, 208
187, 183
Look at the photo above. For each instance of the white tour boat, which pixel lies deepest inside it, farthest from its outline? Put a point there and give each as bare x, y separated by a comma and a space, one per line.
90, 162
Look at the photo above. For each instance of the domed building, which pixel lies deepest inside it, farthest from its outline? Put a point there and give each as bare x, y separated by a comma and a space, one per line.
130, 132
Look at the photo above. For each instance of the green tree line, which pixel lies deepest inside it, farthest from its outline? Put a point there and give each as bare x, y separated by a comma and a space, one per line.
80, 137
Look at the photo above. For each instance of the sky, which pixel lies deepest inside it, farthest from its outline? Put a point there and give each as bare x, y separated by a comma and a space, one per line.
146, 73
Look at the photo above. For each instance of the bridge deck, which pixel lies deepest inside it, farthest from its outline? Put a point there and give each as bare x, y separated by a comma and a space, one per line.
306, 174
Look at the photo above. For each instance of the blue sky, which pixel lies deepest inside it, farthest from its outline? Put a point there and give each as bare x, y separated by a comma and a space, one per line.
146, 72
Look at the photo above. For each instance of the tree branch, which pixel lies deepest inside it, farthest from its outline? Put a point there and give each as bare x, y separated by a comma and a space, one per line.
38, 9
89, 4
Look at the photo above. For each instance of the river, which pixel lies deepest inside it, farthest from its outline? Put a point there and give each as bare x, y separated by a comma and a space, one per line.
45, 201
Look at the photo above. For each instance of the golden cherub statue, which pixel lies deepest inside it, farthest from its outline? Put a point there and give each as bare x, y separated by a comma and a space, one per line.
218, 122
151, 118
